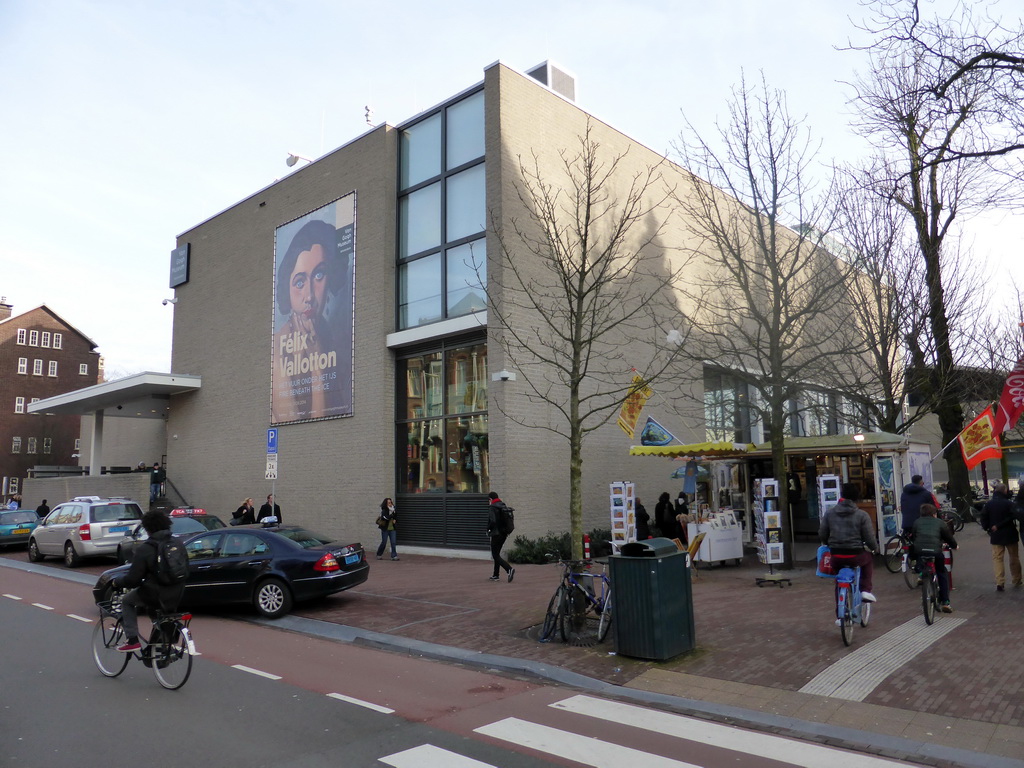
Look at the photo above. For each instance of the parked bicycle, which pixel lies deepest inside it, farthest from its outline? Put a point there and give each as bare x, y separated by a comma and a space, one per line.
850, 609
168, 651
897, 558
581, 606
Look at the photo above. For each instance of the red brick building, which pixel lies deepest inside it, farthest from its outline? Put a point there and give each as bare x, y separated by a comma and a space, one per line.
41, 356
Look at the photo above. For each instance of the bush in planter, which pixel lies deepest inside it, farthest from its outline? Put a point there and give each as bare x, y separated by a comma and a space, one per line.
553, 546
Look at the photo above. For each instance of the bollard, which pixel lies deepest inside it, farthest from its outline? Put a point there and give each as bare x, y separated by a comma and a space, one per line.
586, 546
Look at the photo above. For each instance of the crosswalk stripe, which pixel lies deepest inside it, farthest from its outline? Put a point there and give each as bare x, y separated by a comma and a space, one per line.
573, 746
855, 676
429, 756
766, 745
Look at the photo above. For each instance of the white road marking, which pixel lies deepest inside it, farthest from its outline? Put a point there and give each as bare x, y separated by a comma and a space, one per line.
736, 739
12, 597
79, 618
361, 703
573, 746
252, 671
429, 756
855, 676
44, 607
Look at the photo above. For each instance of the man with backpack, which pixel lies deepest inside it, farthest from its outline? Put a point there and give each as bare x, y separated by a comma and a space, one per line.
156, 578
500, 523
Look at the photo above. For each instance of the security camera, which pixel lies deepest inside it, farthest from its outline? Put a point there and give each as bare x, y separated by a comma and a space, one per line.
165, 302
503, 375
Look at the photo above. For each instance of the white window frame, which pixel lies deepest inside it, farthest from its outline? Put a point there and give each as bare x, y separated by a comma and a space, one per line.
51, 369
13, 485
58, 340
32, 446
37, 367
22, 335
15, 444
47, 445
83, 369
44, 339
78, 444
33, 338
23, 366
19, 405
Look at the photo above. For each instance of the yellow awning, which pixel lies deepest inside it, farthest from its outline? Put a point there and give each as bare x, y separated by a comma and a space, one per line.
719, 450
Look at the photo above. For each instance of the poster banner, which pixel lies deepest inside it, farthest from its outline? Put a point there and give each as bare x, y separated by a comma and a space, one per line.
314, 279
638, 396
978, 441
655, 434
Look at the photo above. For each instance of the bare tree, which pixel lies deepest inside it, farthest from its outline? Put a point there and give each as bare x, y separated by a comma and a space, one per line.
772, 305
937, 162
583, 294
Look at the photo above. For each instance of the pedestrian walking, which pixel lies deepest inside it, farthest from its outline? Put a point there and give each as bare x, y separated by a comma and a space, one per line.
499, 526
157, 475
998, 519
643, 522
270, 509
665, 516
245, 514
43, 510
387, 521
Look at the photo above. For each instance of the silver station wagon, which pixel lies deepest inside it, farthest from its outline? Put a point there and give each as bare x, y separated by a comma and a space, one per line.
86, 526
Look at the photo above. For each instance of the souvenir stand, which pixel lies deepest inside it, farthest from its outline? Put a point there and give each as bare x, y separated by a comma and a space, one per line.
622, 500
768, 528
723, 538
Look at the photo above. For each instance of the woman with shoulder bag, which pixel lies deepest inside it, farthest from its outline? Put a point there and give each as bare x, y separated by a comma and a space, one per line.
386, 521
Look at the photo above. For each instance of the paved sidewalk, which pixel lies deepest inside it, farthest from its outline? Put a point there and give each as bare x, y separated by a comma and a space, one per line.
960, 699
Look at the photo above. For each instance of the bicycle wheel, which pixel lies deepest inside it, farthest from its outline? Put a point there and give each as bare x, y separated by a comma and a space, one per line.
172, 663
909, 574
957, 522
846, 619
106, 636
606, 617
928, 599
893, 554
555, 608
865, 613
573, 625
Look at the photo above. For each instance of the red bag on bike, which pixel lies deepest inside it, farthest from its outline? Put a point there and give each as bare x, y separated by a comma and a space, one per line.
825, 563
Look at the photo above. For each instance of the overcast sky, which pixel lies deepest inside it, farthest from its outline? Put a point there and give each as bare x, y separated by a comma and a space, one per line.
128, 122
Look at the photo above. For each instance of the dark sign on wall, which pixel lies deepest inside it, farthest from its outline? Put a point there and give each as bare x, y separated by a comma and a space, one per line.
179, 265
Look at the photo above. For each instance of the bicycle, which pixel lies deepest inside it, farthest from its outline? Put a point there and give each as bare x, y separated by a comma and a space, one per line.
168, 651
849, 606
929, 584
581, 599
953, 519
897, 558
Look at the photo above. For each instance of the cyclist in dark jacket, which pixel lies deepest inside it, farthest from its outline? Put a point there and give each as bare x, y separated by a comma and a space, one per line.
931, 532
997, 517
141, 580
913, 496
846, 529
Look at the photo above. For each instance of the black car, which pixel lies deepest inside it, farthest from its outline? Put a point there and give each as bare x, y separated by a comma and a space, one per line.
268, 567
184, 521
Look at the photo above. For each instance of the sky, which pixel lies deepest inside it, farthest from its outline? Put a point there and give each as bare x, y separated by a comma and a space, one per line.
128, 122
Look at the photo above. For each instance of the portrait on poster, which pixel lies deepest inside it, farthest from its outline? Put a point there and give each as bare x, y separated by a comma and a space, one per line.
314, 278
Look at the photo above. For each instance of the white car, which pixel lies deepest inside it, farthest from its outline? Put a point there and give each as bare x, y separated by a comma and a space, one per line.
86, 526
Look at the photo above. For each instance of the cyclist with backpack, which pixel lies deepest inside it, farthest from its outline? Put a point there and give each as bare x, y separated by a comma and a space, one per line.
499, 525
156, 578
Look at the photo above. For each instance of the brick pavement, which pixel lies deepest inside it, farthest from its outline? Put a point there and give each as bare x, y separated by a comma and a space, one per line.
755, 646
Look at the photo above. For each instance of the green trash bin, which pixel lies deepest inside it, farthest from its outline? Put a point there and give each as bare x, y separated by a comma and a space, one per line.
653, 600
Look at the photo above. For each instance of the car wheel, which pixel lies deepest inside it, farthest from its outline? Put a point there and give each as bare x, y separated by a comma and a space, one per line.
33, 552
272, 599
71, 558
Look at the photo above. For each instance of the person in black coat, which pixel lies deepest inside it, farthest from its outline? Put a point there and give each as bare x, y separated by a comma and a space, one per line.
270, 509
997, 517
665, 517
496, 517
913, 496
643, 522
141, 580
245, 514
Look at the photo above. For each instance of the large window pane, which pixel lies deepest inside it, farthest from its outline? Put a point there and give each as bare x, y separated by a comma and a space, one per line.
419, 225
421, 152
424, 466
421, 394
467, 274
467, 458
466, 374
419, 291
465, 137
466, 205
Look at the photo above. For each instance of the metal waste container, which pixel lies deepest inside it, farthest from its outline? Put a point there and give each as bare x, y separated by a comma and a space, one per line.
653, 600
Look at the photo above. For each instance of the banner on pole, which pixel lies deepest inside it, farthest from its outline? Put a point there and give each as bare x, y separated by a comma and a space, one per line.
979, 441
639, 394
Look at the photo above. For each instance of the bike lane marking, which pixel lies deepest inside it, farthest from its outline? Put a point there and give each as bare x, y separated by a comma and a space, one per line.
854, 677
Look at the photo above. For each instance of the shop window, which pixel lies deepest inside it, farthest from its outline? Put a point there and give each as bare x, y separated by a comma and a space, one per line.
443, 425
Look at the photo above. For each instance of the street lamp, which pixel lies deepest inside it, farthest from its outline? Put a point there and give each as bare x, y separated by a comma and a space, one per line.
294, 158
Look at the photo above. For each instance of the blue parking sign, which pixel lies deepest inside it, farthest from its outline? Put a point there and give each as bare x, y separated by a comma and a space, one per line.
271, 441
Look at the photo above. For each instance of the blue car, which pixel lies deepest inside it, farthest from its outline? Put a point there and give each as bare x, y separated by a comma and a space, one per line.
15, 526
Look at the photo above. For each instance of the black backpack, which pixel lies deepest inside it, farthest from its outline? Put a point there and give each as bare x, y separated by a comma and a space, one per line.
509, 523
171, 562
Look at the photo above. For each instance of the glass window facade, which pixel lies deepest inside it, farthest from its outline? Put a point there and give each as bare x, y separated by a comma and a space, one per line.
442, 209
442, 415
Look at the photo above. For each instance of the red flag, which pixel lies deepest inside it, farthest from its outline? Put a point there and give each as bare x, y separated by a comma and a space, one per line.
978, 441
1011, 404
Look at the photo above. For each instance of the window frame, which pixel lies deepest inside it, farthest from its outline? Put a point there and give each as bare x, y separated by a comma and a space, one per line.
19, 404
51, 369
22, 337
33, 338
23, 366
58, 341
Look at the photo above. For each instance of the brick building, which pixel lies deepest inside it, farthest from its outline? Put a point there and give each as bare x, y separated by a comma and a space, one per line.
41, 356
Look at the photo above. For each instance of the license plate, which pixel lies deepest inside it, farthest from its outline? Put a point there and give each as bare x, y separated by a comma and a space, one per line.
21, 530
351, 559
119, 528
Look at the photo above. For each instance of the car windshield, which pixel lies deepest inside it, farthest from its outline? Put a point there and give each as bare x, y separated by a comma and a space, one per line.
108, 513
12, 518
305, 539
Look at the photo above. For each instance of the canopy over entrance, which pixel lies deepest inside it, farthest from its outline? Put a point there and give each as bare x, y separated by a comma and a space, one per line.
709, 450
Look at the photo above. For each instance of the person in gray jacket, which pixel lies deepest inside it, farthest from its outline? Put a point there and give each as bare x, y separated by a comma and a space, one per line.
847, 529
